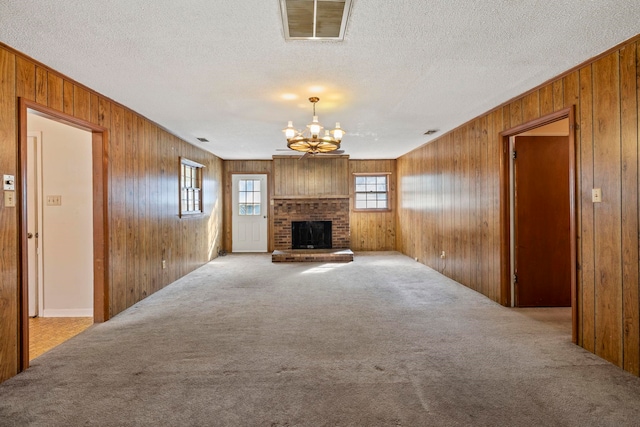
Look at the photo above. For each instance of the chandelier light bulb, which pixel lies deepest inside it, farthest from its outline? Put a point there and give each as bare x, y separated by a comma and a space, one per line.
337, 132
289, 131
315, 127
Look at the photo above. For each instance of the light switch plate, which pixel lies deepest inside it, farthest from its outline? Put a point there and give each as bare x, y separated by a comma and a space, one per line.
9, 199
596, 195
8, 182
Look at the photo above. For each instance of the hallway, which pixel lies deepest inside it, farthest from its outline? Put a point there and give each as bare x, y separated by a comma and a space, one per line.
381, 341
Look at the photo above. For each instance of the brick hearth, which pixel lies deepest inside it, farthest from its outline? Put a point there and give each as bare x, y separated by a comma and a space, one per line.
335, 210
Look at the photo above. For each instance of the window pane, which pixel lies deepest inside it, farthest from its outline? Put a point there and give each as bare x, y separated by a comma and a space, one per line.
256, 209
249, 185
242, 197
242, 185
242, 210
371, 192
256, 185
249, 209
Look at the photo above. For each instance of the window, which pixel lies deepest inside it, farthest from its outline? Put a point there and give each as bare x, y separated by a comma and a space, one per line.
190, 187
372, 192
249, 197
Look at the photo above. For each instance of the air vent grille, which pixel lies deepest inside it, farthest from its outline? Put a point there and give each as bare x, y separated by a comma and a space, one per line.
314, 19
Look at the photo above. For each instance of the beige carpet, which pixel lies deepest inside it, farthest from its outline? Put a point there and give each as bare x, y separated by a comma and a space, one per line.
382, 341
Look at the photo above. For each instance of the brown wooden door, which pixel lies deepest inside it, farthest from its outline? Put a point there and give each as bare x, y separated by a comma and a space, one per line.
542, 222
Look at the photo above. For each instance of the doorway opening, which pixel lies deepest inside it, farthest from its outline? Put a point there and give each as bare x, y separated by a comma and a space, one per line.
249, 213
59, 232
63, 246
538, 248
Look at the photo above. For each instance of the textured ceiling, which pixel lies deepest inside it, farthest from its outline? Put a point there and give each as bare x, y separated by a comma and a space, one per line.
219, 68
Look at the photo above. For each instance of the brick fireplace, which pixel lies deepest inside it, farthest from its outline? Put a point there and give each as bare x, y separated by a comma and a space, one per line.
334, 209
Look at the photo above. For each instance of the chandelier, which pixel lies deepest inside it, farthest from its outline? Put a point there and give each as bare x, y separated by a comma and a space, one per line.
311, 140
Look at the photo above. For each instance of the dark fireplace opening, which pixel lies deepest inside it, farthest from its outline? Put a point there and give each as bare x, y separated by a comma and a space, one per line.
311, 234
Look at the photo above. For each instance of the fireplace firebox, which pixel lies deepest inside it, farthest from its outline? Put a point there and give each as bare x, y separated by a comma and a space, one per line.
311, 235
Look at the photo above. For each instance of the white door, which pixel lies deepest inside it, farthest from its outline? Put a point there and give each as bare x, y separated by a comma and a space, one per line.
249, 202
34, 219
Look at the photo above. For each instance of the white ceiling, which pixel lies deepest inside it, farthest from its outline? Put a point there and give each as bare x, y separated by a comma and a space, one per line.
219, 68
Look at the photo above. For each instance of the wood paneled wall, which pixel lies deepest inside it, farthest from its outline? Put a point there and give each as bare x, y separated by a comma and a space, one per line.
144, 226
449, 198
313, 177
373, 231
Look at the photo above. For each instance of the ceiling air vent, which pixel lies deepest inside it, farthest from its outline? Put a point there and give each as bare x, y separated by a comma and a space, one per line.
314, 19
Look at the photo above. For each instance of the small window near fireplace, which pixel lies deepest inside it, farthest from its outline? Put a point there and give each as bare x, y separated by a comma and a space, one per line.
311, 234
371, 192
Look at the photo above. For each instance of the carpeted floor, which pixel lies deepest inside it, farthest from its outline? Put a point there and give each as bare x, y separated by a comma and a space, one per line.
382, 341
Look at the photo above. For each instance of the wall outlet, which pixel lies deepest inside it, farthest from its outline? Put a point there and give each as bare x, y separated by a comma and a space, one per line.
164, 264
54, 200
443, 254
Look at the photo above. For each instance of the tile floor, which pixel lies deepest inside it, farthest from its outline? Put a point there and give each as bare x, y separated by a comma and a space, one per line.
47, 332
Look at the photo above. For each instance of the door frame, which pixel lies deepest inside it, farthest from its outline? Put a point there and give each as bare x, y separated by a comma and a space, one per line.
39, 217
100, 156
505, 211
268, 206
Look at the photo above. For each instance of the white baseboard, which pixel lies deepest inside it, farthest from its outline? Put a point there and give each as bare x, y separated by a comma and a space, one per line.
71, 312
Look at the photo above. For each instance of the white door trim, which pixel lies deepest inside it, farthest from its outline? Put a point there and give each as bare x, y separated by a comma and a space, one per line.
240, 240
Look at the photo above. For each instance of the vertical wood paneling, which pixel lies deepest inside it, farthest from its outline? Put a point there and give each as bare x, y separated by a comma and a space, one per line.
607, 176
629, 148
587, 240
131, 216
81, 103
515, 113
546, 100
558, 95
373, 231
25, 79
8, 222
54, 91
316, 176
41, 85
142, 218
571, 85
605, 94
118, 208
155, 205
67, 97
531, 106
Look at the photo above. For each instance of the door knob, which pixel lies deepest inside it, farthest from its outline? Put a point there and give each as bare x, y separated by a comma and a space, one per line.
29, 235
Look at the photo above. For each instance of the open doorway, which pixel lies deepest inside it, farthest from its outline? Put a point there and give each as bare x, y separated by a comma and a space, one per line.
60, 232
538, 215
62, 189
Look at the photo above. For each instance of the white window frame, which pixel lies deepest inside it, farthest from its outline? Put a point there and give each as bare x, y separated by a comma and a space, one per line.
387, 176
194, 187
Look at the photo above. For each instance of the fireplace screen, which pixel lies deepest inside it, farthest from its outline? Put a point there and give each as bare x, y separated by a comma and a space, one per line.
311, 234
